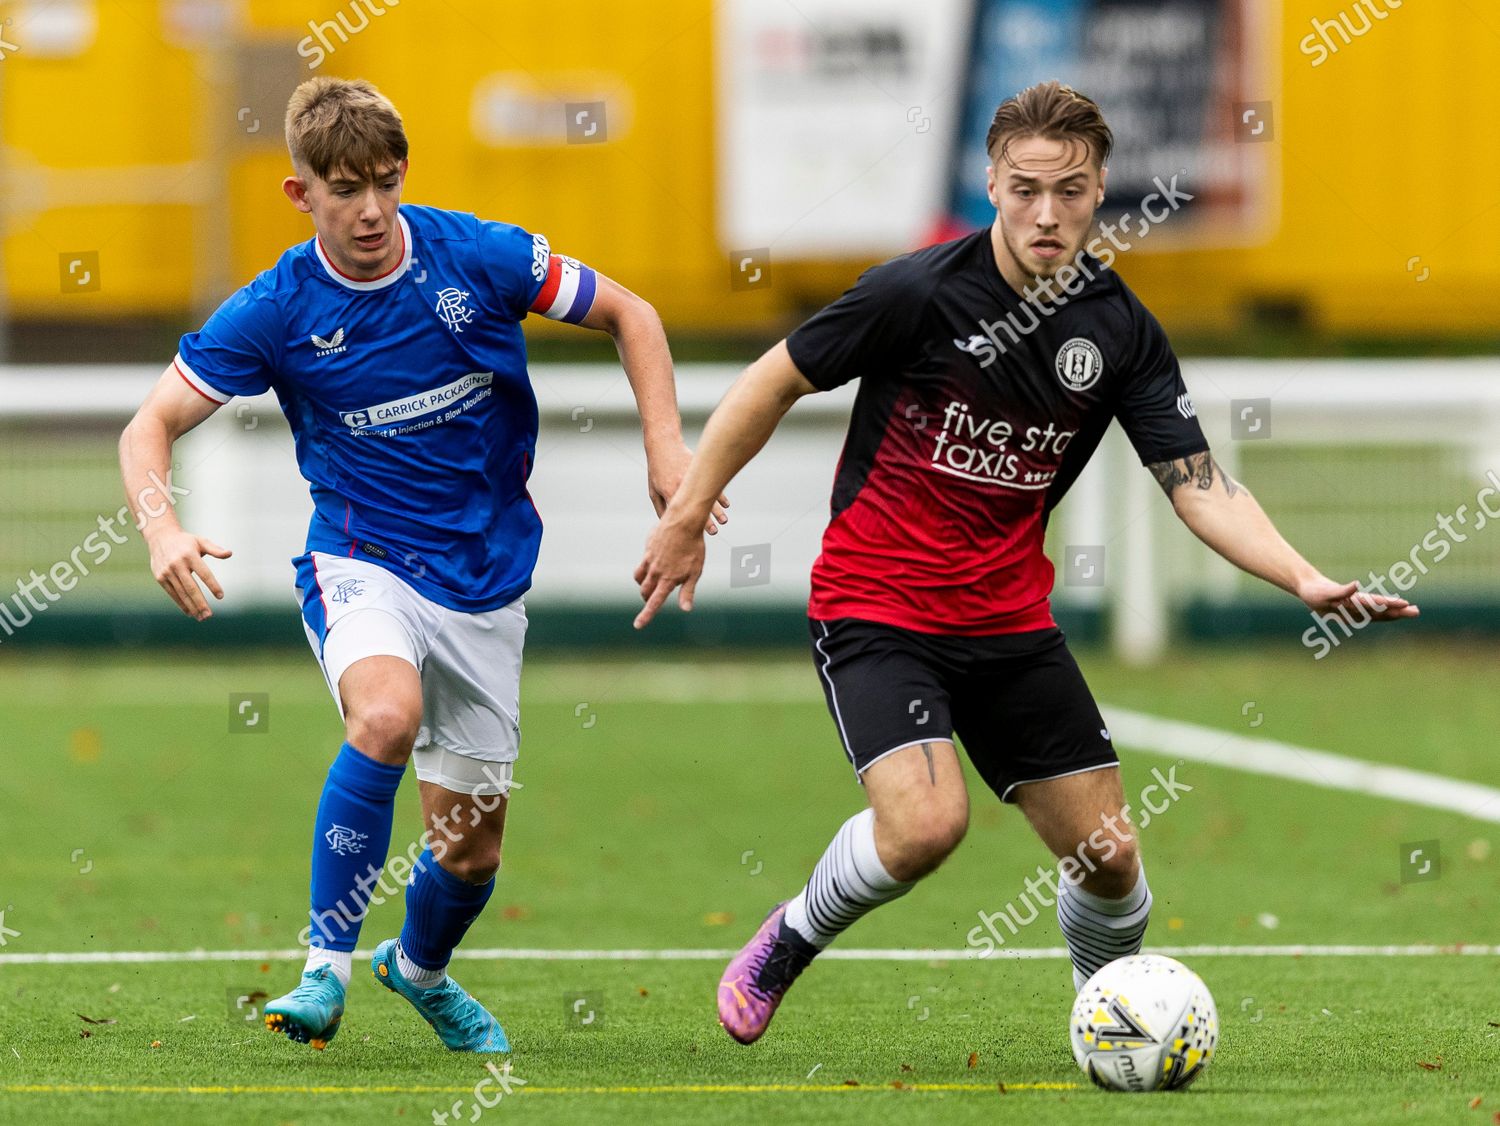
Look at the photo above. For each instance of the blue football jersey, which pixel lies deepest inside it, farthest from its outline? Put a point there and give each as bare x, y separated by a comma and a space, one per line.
408, 396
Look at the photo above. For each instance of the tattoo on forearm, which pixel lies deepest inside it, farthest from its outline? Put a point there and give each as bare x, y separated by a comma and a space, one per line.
1198, 470
931, 770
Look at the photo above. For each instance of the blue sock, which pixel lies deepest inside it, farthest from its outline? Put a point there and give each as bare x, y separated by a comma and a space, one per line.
439, 909
351, 837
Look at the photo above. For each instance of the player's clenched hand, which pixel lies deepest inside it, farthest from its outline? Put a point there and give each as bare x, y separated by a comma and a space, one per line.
1323, 596
177, 563
664, 472
674, 557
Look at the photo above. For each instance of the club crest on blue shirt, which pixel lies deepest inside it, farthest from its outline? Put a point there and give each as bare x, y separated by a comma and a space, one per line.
450, 306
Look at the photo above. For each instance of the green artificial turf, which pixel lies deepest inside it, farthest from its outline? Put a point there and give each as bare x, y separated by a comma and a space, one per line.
668, 806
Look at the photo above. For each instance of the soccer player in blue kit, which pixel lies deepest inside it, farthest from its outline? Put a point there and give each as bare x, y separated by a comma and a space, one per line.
393, 341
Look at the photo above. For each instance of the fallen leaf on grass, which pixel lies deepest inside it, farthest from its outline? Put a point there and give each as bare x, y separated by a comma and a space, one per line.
91, 1020
973, 1060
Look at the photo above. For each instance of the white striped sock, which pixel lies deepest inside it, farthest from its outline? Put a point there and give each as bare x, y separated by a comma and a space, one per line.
1099, 930
848, 882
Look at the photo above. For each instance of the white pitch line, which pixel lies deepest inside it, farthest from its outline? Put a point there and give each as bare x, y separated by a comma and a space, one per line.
1300, 764
677, 683
502, 954
1152, 734
787, 682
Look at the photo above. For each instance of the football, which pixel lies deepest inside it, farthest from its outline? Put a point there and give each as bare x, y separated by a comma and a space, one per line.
1144, 1023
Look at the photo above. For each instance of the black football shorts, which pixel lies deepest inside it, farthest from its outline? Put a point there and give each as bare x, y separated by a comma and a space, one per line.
1018, 701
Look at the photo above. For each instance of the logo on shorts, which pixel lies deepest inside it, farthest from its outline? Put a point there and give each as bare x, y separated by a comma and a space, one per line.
1079, 364
349, 588
345, 841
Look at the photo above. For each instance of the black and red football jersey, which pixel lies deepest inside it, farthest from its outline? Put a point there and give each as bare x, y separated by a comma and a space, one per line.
976, 411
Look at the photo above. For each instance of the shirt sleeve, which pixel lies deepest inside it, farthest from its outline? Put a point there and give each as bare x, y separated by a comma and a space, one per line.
872, 328
1154, 408
529, 278
234, 352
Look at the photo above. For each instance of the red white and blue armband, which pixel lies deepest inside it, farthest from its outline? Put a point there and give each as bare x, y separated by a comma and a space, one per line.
567, 292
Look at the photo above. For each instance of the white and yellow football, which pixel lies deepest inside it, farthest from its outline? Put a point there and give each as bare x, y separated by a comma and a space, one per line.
1144, 1023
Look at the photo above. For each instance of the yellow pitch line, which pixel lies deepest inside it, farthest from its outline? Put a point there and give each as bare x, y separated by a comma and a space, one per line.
683, 1089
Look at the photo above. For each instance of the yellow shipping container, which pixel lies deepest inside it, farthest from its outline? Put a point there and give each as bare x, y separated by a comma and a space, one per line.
148, 133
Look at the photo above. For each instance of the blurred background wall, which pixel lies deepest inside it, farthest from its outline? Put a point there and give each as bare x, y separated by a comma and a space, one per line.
1337, 263
149, 133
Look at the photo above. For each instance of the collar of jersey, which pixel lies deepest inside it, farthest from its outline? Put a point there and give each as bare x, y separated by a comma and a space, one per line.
390, 277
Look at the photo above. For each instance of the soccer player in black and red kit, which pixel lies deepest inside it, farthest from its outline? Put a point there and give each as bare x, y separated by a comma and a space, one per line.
989, 369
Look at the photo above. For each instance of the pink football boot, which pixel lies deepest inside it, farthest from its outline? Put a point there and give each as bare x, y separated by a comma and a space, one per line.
759, 976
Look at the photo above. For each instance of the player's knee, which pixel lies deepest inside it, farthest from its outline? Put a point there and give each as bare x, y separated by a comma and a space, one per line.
476, 865
922, 843
1114, 871
385, 730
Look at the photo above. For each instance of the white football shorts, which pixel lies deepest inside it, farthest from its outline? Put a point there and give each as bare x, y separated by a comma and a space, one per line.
470, 665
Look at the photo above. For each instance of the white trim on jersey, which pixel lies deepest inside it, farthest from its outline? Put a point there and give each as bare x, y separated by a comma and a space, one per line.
197, 382
396, 273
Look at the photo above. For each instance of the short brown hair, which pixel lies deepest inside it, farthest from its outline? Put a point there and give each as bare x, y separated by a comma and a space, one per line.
343, 125
1052, 111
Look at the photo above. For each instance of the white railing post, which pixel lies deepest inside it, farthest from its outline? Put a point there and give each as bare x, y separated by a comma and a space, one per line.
1138, 601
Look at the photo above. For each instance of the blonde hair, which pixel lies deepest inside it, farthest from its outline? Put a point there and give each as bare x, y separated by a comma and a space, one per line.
1054, 112
343, 125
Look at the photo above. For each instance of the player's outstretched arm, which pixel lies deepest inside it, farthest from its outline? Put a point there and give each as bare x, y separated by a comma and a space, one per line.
740, 425
642, 344
170, 411
1222, 513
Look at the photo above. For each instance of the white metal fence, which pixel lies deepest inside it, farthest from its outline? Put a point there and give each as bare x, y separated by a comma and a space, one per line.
1356, 461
